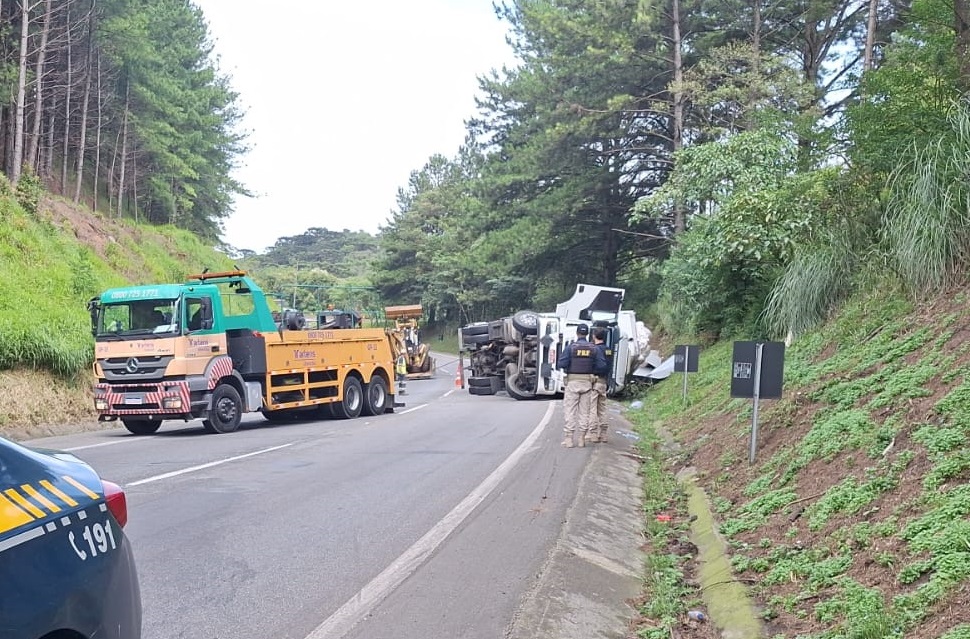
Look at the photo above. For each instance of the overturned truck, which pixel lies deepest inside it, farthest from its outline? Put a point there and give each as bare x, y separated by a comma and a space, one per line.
519, 353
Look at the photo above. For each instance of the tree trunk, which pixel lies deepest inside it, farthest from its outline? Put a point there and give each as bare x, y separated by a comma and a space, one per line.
867, 61
68, 89
82, 142
97, 138
124, 148
18, 142
680, 223
961, 27
39, 89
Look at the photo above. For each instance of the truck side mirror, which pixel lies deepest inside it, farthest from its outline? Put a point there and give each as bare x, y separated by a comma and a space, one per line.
93, 308
207, 320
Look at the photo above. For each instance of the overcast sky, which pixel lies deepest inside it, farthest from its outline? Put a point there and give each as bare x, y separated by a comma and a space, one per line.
344, 100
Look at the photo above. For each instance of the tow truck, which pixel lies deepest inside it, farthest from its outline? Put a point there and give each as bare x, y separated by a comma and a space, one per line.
210, 348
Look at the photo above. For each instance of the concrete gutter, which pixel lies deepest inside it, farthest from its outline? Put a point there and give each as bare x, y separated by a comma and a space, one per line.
586, 588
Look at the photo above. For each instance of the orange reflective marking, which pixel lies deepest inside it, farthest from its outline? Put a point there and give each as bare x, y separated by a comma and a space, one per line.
52, 488
84, 489
23, 503
10, 516
43, 501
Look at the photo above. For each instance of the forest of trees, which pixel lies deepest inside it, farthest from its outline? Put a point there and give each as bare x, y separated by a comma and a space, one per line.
738, 166
119, 104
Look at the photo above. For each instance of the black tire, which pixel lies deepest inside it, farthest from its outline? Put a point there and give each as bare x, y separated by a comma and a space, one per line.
141, 426
480, 382
426, 365
353, 401
375, 396
481, 390
226, 412
526, 322
475, 340
478, 328
511, 387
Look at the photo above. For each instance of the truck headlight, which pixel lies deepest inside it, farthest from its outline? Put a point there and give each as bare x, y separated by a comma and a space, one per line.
172, 402
100, 403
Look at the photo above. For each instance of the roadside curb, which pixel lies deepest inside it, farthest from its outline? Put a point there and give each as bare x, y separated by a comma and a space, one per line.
585, 588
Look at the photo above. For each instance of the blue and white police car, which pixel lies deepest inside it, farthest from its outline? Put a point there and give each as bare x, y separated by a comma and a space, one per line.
66, 567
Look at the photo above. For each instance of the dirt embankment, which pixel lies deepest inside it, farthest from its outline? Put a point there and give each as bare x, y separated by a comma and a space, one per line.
38, 404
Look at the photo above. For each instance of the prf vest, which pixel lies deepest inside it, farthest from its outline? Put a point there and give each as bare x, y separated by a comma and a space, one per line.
581, 358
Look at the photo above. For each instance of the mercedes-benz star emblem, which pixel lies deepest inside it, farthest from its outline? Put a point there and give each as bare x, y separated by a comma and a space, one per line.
131, 365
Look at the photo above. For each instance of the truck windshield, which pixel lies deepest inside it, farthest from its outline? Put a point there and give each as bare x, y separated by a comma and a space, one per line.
139, 318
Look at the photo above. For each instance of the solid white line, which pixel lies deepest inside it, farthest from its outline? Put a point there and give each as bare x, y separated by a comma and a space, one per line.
360, 605
192, 469
411, 410
120, 441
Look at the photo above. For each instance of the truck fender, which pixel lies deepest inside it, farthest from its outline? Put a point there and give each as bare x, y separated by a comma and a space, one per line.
218, 368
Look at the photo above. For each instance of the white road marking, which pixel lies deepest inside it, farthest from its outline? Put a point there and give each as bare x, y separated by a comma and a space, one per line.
411, 410
360, 605
120, 441
192, 469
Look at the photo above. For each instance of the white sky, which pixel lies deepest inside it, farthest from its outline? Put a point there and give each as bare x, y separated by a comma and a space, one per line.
344, 100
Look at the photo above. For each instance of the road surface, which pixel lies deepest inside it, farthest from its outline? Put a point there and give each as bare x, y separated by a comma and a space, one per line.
440, 520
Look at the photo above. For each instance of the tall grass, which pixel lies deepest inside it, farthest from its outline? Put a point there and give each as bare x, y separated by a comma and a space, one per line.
811, 285
926, 225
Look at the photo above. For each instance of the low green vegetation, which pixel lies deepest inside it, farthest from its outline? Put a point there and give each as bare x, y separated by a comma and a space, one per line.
48, 273
854, 519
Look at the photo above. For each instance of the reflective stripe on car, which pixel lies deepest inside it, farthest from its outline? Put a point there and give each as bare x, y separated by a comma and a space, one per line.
38, 501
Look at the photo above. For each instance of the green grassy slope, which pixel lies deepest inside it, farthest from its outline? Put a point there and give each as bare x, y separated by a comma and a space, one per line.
854, 519
54, 257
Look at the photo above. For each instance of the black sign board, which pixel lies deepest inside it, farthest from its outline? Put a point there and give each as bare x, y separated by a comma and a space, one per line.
685, 358
744, 366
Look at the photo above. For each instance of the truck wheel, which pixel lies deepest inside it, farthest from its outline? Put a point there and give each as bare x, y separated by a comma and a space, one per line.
478, 328
353, 401
141, 426
526, 322
375, 396
512, 388
480, 390
226, 412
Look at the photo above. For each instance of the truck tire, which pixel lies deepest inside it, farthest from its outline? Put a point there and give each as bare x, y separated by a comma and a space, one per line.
484, 381
141, 426
526, 322
511, 387
375, 396
470, 341
226, 412
478, 328
353, 401
480, 390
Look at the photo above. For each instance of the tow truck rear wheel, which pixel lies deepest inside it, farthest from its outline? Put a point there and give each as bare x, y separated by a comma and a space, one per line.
226, 412
375, 396
353, 401
141, 426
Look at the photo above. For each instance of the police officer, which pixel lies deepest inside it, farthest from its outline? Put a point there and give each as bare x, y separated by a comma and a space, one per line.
582, 363
597, 406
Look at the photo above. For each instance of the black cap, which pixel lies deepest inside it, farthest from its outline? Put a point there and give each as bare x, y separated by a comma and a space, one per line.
582, 329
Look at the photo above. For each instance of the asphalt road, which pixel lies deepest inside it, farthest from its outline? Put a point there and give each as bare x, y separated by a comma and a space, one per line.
436, 521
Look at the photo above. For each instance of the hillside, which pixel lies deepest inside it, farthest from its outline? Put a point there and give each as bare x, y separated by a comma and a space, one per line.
854, 520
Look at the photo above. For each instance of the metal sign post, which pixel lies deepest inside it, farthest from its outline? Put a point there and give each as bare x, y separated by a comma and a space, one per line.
757, 372
685, 360
754, 413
